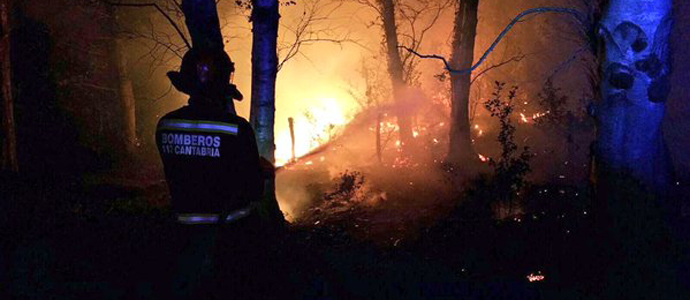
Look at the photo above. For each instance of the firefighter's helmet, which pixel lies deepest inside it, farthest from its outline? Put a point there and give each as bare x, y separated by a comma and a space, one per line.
206, 72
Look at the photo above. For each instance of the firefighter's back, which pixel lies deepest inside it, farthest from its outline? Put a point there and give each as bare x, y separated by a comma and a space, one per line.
210, 160
212, 169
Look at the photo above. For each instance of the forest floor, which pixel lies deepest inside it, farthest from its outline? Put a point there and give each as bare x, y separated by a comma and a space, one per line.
98, 237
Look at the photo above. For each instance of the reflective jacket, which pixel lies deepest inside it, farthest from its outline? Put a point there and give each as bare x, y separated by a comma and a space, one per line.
210, 159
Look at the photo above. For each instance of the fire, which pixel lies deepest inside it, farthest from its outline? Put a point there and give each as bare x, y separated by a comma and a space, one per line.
480, 132
523, 118
483, 158
313, 128
535, 277
539, 115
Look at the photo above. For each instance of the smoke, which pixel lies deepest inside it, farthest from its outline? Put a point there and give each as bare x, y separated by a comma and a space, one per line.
354, 148
337, 92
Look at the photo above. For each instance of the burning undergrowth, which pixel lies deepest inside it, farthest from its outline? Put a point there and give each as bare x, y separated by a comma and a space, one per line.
368, 181
364, 180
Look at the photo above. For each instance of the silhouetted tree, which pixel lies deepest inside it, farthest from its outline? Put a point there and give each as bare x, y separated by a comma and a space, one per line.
395, 69
460, 139
404, 23
635, 85
265, 18
8, 139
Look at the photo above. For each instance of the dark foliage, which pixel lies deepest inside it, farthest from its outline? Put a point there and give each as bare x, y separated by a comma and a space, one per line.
348, 183
555, 106
512, 166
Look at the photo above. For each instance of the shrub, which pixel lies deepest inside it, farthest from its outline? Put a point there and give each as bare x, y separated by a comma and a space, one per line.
347, 188
511, 167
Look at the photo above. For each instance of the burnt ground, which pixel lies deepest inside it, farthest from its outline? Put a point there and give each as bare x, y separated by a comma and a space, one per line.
100, 238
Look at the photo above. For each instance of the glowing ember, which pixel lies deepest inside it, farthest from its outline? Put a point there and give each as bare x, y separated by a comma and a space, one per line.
483, 158
535, 277
539, 115
480, 132
403, 162
523, 118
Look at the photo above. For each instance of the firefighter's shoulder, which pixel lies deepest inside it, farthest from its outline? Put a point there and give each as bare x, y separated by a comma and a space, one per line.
242, 124
179, 113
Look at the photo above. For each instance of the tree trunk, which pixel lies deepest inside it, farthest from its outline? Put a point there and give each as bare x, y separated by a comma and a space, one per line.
264, 70
291, 122
460, 146
264, 20
395, 71
379, 155
9, 136
635, 86
201, 18
127, 99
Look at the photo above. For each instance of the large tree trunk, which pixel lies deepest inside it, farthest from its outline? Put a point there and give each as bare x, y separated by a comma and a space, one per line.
395, 71
201, 18
633, 173
265, 19
264, 70
9, 138
635, 86
460, 145
128, 104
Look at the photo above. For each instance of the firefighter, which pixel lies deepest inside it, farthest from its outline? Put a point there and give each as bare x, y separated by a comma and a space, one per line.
211, 165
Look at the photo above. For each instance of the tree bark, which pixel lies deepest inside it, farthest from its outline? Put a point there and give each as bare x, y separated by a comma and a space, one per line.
9, 136
379, 155
201, 18
127, 98
265, 17
635, 85
264, 71
460, 148
395, 71
291, 122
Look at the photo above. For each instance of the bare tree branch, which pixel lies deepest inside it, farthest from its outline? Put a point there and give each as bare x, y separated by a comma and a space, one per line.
573, 12
310, 29
567, 62
432, 56
516, 58
157, 7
